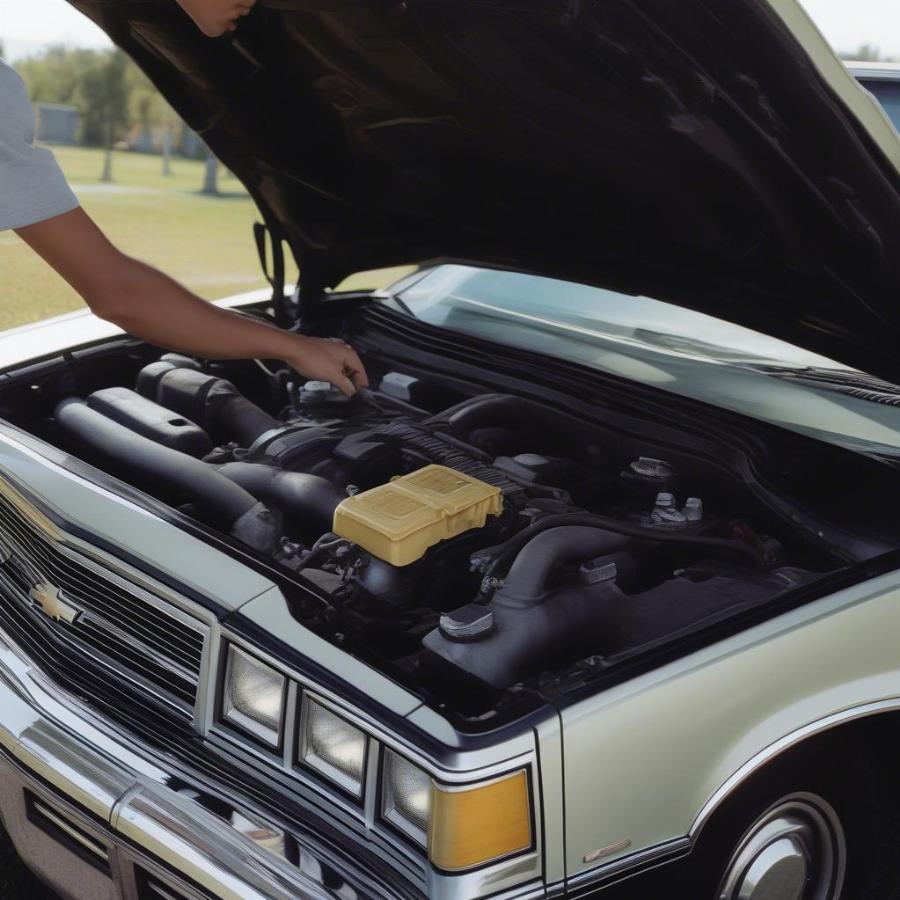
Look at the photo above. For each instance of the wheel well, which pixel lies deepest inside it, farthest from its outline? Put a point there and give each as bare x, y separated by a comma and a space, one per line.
871, 739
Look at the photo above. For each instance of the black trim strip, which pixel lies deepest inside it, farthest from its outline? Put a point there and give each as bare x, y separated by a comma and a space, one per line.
61, 828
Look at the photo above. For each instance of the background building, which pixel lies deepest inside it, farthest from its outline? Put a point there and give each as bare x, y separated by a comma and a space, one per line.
57, 123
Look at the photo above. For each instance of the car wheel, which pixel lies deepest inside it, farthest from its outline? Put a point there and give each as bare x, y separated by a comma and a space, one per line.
795, 850
822, 824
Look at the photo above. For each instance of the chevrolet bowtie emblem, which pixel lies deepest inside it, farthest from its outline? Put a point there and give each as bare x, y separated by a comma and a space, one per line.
49, 599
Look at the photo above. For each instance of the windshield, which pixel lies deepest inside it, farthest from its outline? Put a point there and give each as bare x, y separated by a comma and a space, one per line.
656, 343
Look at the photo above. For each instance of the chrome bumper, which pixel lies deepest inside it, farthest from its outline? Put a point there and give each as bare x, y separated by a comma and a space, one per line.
96, 819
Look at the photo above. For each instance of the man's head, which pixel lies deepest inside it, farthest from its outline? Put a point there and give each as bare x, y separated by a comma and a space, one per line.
215, 17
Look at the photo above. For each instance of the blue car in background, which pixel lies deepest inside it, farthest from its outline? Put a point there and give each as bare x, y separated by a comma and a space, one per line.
882, 79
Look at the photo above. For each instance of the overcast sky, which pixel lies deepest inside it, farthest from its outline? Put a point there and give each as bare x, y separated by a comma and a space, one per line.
28, 25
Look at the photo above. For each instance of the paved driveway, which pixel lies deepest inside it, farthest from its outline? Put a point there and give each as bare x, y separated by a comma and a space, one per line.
17, 882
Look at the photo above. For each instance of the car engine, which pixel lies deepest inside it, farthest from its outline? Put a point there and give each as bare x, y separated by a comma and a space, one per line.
485, 543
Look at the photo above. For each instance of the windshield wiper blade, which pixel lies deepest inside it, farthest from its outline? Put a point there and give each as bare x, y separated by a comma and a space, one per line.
848, 382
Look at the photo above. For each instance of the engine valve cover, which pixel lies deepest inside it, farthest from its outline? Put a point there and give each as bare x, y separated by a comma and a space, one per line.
399, 521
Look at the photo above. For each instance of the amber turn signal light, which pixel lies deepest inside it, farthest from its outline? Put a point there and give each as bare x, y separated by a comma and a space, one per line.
471, 826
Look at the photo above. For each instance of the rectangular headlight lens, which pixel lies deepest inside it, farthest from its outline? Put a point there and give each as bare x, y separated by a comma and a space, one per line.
254, 696
406, 797
332, 746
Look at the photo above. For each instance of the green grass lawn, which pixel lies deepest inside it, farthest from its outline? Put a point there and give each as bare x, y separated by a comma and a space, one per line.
203, 242
206, 243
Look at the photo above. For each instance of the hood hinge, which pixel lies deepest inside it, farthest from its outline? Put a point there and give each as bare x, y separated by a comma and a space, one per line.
284, 313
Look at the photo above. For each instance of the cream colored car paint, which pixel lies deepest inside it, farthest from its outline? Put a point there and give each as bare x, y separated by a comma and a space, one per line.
643, 759
75, 329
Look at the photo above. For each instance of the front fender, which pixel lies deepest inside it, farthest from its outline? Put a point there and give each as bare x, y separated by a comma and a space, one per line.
648, 762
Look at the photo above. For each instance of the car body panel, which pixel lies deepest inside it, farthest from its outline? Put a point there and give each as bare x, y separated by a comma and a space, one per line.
552, 776
671, 739
840, 76
71, 331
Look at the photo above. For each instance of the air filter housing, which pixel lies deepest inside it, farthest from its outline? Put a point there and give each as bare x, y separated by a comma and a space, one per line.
399, 521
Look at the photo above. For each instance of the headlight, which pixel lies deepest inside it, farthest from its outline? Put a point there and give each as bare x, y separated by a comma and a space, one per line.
406, 797
254, 696
332, 746
463, 827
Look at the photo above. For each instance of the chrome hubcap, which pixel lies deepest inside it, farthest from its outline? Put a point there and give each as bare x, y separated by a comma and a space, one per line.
795, 851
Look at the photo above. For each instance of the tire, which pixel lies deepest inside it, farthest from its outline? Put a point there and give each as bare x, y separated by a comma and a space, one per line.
833, 799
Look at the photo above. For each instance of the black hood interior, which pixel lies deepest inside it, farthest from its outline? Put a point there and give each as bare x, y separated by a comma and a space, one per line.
688, 151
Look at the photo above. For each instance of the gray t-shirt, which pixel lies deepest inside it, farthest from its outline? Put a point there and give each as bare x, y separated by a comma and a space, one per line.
32, 186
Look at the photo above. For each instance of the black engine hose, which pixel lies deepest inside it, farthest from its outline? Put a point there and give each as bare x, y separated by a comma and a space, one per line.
485, 409
511, 548
526, 582
309, 499
213, 402
160, 470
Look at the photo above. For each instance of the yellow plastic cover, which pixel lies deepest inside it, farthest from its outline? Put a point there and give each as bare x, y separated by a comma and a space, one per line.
471, 826
399, 521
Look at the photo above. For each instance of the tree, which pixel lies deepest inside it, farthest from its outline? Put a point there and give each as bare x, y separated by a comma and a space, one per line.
106, 89
155, 121
56, 74
866, 53
73, 77
167, 150
211, 174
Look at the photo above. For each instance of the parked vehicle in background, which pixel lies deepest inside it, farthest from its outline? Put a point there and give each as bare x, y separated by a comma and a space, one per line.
882, 80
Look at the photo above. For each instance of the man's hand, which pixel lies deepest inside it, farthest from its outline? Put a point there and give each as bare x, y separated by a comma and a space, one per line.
330, 359
215, 17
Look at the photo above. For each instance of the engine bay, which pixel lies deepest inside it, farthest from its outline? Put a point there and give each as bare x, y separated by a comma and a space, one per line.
470, 543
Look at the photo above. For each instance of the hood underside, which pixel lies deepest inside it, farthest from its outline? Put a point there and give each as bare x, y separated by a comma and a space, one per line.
688, 151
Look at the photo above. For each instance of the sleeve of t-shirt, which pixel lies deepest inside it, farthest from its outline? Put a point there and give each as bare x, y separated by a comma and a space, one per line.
32, 186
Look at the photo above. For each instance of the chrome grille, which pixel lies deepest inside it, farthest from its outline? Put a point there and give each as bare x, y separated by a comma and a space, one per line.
121, 625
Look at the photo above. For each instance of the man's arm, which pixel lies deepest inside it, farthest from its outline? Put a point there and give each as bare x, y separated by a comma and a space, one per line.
150, 305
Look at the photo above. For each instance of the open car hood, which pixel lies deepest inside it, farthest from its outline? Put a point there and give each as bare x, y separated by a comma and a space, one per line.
710, 153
